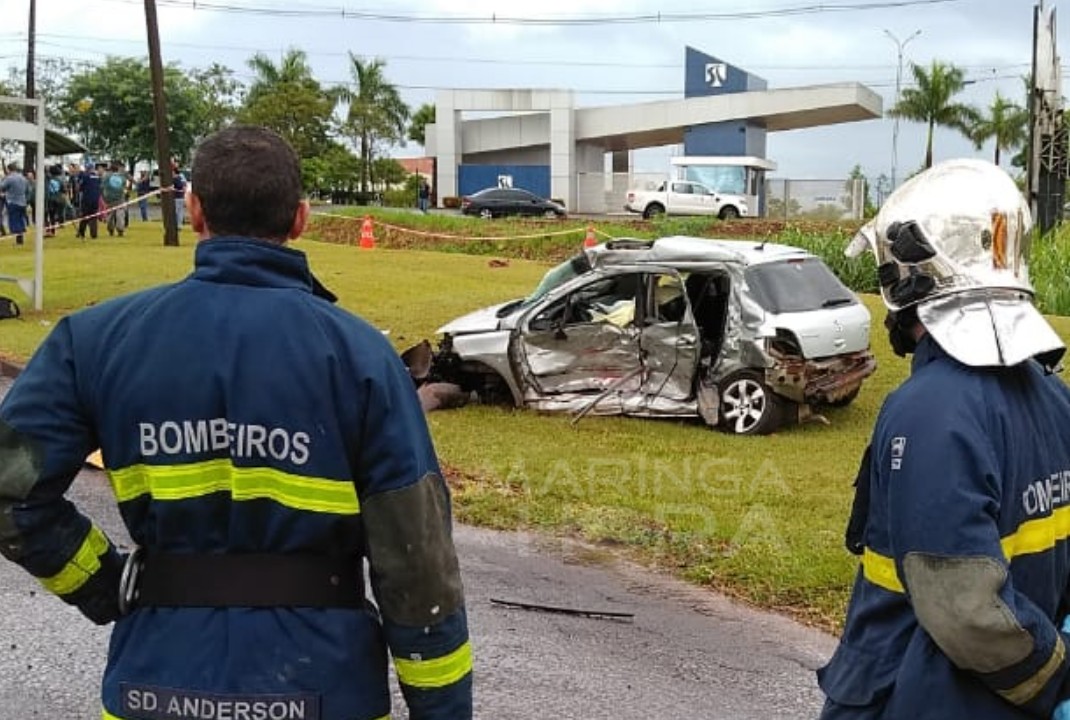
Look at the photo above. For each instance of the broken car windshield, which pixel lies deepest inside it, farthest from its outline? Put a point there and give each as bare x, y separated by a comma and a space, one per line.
571, 268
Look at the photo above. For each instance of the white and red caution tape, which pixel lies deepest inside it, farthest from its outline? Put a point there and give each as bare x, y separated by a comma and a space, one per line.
104, 213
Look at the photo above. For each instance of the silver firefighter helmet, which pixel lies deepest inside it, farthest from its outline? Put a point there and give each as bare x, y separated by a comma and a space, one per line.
954, 241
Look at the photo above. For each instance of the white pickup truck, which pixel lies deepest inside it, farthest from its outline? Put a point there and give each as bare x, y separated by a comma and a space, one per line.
684, 197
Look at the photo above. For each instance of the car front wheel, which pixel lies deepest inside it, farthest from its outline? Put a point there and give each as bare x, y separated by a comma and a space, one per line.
550, 214
748, 406
729, 213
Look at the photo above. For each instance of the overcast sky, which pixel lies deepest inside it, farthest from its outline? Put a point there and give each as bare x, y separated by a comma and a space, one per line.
605, 63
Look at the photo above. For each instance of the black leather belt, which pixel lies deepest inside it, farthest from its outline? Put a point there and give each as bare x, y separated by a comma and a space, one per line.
255, 580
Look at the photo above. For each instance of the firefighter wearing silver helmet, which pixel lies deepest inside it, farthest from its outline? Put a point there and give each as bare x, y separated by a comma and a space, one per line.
957, 606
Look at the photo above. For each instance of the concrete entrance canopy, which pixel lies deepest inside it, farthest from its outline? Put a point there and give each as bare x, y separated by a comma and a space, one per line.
574, 140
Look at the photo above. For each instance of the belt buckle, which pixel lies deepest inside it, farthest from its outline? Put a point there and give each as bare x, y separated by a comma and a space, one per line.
128, 582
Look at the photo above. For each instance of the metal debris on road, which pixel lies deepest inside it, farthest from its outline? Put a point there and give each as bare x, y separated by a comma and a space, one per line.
604, 614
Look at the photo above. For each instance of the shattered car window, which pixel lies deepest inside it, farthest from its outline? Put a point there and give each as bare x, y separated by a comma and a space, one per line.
797, 286
571, 268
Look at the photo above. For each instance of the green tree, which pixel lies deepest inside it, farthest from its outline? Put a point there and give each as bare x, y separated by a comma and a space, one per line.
110, 108
333, 171
1006, 123
387, 172
290, 101
219, 97
376, 114
930, 102
424, 116
50, 78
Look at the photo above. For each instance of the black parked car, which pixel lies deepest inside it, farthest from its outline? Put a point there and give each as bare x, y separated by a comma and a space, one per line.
496, 202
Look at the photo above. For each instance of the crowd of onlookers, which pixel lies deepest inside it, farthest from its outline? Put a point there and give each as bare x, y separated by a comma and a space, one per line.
82, 196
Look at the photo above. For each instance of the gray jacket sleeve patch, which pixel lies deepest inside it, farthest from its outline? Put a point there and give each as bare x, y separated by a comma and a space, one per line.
956, 600
20, 468
415, 573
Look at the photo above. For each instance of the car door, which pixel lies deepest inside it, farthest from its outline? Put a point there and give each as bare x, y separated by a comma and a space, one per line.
669, 341
709, 200
584, 341
685, 200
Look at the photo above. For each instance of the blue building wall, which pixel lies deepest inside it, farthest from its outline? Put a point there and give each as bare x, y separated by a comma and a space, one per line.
533, 178
706, 75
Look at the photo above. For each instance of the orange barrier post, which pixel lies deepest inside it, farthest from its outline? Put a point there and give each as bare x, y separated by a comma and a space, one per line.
589, 240
367, 234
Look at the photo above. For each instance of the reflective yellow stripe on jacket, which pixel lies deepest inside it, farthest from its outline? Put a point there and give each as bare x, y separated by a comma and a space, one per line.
435, 672
81, 567
183, 482
1031, 537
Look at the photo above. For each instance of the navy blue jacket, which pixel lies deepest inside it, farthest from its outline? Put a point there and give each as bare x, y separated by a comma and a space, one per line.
966, 463
236, 411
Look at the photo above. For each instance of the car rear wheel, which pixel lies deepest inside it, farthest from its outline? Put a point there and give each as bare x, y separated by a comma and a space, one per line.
729, 212
748, 406
486, 214
653, 210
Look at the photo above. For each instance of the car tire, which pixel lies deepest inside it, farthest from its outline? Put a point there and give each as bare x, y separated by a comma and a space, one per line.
748, 406
652, 211
729, 212
486, 214
550, 214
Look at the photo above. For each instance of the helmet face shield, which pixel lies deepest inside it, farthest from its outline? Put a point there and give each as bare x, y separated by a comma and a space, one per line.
961, 230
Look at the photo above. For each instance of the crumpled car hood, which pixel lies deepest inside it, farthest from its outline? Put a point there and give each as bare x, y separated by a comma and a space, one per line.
484, 320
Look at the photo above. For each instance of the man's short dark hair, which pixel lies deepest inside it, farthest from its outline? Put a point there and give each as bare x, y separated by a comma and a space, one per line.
248, 182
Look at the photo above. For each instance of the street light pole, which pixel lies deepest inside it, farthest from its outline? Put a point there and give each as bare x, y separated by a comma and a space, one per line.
899, 45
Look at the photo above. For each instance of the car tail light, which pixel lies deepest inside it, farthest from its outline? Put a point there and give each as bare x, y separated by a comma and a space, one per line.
466, 201
631, 197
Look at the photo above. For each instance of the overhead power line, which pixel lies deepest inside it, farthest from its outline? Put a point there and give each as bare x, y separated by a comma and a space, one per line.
252, 8
503, 62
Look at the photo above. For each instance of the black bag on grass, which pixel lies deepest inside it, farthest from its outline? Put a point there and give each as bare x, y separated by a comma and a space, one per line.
8, 308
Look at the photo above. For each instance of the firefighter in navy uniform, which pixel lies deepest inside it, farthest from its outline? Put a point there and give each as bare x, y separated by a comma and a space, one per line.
260, 442
958, 605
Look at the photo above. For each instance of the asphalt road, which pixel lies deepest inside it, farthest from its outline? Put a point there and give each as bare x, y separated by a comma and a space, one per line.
685, 653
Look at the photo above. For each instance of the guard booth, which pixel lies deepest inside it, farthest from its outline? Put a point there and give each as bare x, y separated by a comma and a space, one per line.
738, 175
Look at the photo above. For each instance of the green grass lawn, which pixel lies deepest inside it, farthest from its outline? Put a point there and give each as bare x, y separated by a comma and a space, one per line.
761, 518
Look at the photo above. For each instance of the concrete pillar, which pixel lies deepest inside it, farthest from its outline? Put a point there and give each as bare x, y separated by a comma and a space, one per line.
448, 144
562, 148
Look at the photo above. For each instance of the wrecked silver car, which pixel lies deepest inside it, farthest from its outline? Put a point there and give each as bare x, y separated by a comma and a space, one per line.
746, 336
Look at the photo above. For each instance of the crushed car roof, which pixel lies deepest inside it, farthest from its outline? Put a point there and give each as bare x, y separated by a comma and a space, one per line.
683, 249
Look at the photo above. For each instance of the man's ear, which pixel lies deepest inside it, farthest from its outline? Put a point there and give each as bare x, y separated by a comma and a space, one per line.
300, 220
196, 214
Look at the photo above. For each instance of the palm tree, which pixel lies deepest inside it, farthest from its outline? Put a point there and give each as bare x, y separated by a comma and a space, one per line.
930, 102
289, 100
424, 116
293, 68
1006, 122
376, 111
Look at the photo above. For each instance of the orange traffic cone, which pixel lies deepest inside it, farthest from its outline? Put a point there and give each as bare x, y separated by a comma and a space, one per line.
589, 240
367, 234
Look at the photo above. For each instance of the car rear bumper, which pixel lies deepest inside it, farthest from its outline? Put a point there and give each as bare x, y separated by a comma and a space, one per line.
820, 381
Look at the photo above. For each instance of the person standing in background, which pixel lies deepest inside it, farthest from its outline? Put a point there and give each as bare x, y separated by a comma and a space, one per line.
16, 191
144, 187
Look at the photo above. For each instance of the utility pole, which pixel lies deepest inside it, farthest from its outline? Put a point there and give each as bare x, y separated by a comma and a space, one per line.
29, 155
899, 45
163, 142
